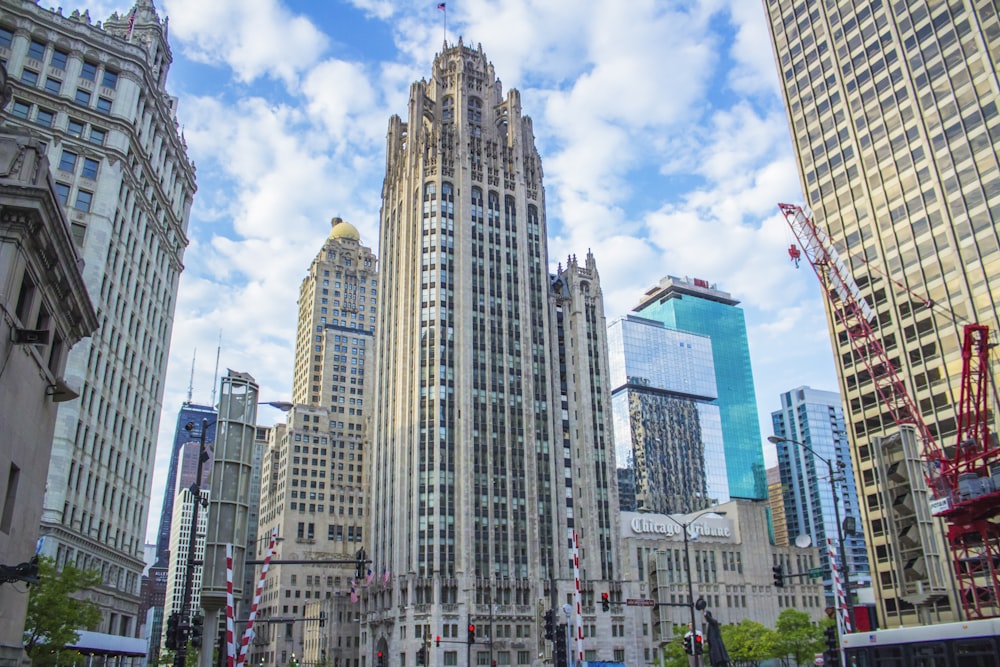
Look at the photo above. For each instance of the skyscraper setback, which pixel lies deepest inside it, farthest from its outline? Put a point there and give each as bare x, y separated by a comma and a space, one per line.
893, 112
492, 462
96, 94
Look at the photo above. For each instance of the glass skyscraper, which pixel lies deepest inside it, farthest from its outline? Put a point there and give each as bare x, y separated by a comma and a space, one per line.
697, 307
893, 111
815, 418
668, 432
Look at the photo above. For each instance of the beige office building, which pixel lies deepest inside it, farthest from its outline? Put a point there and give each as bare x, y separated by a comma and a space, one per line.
731, 559
313, 467
893, 113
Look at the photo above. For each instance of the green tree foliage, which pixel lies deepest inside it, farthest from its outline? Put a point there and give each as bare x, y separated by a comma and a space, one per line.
797, 637
55, 616
673, 653
749, 642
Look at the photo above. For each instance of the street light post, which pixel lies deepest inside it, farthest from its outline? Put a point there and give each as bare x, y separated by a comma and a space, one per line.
844, 569
180, 657
687, 564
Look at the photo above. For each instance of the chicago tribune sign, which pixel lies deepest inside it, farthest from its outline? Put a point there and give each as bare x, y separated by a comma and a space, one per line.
702, 527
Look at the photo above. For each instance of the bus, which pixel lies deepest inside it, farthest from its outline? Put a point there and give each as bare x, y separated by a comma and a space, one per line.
964, 644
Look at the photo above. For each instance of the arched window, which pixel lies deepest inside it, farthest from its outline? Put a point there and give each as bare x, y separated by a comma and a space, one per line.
475, 110
448, 110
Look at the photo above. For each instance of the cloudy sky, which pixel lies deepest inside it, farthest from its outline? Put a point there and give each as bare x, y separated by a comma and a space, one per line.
663, 139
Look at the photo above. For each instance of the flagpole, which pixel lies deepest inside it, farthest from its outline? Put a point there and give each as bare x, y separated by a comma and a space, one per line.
444, 22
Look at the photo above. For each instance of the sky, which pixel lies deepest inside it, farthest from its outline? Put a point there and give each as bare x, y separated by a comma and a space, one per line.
663, 139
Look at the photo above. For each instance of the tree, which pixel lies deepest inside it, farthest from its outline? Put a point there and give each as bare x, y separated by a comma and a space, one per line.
54, 616
749, 642
797, 637
673, 652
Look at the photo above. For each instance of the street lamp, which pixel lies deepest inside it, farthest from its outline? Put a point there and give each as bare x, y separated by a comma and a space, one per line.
774, 439
687, 560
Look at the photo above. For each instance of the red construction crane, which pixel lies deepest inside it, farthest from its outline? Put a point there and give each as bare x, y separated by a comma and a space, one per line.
965, 482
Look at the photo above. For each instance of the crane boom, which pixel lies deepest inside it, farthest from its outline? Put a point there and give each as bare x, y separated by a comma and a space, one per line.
965, 482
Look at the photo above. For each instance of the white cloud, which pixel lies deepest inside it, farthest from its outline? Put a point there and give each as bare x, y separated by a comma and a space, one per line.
255, 38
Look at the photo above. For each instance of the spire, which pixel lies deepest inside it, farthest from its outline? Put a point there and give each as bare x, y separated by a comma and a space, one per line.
191, 381
215, 375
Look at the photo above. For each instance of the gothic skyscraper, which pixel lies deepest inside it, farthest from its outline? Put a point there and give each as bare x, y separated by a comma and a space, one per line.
492, 479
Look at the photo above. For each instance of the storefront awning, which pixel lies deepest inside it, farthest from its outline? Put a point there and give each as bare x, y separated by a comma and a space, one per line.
104, 644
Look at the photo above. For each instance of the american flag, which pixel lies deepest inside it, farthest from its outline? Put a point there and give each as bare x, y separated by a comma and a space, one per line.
385, 577
369, 577
442, 6
354, 594
131, 24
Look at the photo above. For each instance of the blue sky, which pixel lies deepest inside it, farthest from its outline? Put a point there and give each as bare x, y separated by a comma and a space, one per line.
664, 144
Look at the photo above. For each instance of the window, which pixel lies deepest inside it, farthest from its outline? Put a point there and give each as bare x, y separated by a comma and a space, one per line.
20, 109
89, 168
110, 79
36, 50
104, 105
7, 517
45, 117
59, 59
53, 85
6, 37
82, 97
75, 128
97, 136
89, 71
67, 161
29, 77
62, 193
83, 200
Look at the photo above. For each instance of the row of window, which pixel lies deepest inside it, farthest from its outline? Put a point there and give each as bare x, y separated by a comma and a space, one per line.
46, 118
54, 86
60, 59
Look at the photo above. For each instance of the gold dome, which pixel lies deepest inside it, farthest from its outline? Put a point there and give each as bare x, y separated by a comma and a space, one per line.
344, 230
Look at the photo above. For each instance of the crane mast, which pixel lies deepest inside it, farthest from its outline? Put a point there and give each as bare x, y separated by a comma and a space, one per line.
964, 481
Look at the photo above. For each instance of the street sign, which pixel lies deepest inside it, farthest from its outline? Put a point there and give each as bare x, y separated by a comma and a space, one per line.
816, 572
640, 602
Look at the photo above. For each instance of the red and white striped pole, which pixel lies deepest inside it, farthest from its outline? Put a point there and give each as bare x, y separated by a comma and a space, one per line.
248, 633
230, 618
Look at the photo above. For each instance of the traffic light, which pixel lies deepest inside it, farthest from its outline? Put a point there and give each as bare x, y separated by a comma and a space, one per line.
379, 659
831, 657
778, 573
438, 640
197, 630
559, 646
472, 633
699, 647
689, 644
422, 657
550, 625
605, 602
171, 642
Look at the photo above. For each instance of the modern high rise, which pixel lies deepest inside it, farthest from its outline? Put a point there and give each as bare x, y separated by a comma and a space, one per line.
95, 93
701, 308
493, 495
668, 433
894, 119
815, 419
312, 473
